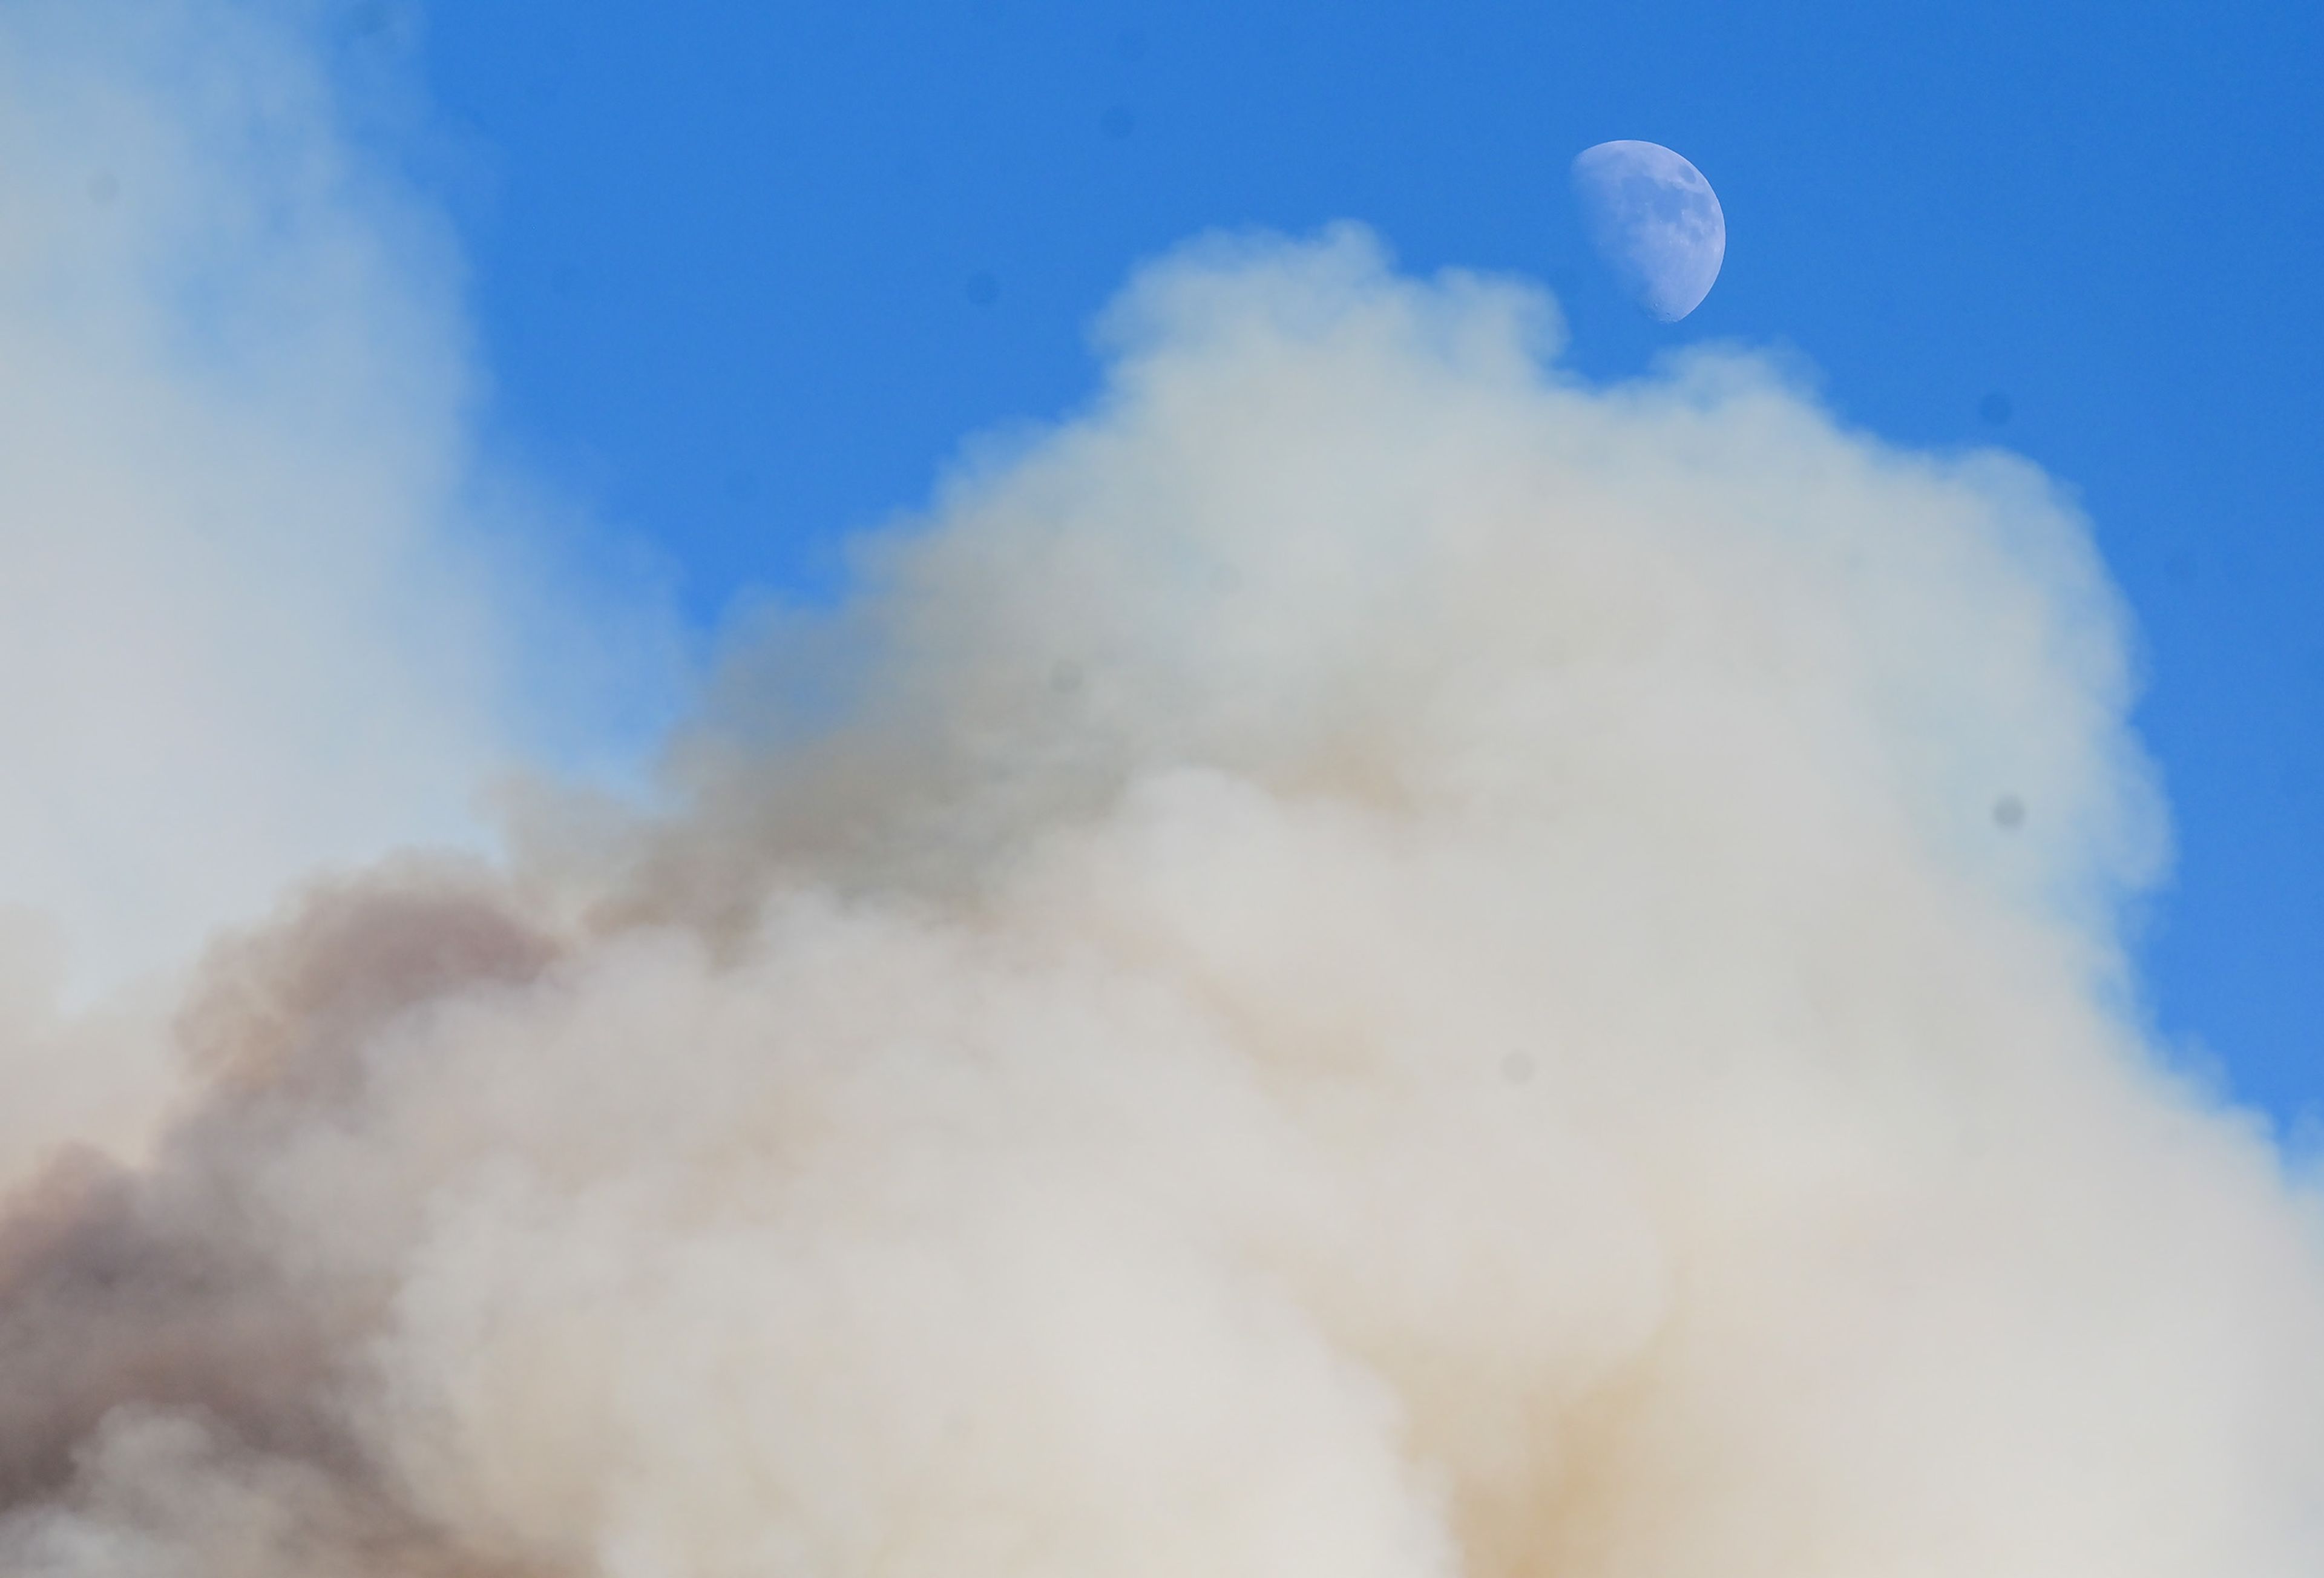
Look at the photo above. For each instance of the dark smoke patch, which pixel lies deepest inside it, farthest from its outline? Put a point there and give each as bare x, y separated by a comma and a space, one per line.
161, 1314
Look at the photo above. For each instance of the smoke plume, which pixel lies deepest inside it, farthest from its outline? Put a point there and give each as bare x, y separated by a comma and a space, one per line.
1366, 959
265, 609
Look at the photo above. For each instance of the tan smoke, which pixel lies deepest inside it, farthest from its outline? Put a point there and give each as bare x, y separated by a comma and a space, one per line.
1366, 960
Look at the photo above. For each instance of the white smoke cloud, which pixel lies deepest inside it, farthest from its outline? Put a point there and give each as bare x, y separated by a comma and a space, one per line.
257, 616
1367, 959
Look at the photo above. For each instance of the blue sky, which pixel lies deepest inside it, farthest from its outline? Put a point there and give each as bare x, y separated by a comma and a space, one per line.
746, 274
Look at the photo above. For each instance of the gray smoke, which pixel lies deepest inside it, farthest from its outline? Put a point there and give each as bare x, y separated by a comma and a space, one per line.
1366, 959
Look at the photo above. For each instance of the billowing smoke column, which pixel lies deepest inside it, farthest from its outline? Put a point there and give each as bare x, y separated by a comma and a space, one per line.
1364, 961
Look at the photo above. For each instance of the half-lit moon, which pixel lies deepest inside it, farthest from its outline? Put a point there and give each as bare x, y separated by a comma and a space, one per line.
1654, 221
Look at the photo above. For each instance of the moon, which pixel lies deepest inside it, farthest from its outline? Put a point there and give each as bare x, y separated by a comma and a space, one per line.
1654, 221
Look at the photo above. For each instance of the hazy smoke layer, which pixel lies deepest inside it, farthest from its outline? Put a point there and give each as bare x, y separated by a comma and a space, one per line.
253, 618
1365, 962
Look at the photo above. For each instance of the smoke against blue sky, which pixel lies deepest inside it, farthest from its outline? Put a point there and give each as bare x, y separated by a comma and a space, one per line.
746, 279
1274, 907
